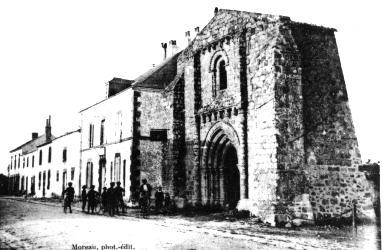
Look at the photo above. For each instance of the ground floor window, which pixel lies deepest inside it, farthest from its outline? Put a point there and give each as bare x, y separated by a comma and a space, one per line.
72, 174
39, 180
58, 176
48, 186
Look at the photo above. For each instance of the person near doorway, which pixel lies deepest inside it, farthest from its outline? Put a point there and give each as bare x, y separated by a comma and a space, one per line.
83, 197
119, 191
112, 199
68, 197
144, 197
159, 197
92, 199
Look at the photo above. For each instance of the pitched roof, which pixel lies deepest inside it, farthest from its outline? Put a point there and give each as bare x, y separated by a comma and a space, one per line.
32, 145
160, 76
58, 137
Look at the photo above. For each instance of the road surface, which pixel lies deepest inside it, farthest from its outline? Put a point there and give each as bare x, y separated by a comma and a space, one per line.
31, 225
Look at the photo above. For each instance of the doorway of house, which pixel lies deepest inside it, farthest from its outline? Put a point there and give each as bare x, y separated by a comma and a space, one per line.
64, 180
101, 173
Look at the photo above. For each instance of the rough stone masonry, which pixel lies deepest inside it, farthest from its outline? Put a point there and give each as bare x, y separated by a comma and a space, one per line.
259, 120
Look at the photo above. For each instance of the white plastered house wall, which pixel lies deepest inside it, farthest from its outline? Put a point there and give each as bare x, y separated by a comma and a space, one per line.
115, 115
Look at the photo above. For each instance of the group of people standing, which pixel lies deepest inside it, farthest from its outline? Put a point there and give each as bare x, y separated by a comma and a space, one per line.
111, 199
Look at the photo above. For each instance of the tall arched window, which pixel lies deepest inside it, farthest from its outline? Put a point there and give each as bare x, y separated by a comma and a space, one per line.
220, 75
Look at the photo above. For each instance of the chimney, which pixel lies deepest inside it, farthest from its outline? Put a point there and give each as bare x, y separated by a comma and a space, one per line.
164, 46
34, 135
196, 30
48, 130
173, 46
188, 37
216, 10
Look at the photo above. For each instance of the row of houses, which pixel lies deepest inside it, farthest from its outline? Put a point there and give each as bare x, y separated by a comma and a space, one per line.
253, 114
44, 165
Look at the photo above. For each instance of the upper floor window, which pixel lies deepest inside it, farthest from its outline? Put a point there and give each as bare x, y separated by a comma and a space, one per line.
91, 135
18, 162
72, 174
32, 161
23, 162
11, 161
218, 64
101, 141
40, 158
220, 75
49, 155
64, 155
28, 161
14, 165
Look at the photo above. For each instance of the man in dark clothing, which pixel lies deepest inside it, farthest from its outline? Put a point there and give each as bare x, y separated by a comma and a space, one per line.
92, 195
104, 199
119, 191
83, 197
68, 197
144, 197
112, 199
167, 201
159, 197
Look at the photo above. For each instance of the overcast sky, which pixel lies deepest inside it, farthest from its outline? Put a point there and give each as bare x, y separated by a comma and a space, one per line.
56, 56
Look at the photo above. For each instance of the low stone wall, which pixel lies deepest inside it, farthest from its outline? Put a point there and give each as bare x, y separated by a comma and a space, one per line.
332, 190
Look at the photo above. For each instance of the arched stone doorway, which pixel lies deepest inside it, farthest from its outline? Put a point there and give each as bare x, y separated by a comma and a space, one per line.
220, 182
231, 177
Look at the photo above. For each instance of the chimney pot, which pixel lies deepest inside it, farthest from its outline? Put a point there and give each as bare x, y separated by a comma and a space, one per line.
196, 30
34, 135
216, 10
164, 46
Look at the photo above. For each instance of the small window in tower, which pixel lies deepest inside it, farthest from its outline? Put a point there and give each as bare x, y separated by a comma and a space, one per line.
158, 134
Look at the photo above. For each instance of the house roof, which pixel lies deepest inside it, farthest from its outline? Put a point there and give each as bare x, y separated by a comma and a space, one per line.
32, 145
157, 78
160, 76
56, 138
